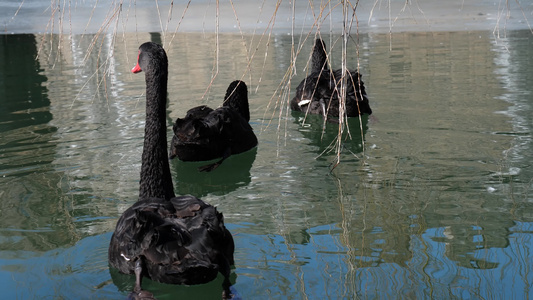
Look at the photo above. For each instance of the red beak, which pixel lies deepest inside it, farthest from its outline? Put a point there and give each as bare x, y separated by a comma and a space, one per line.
136, 69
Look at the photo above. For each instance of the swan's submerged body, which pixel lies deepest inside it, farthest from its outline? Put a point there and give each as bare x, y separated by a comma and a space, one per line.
319, 93
205, 133
177, 240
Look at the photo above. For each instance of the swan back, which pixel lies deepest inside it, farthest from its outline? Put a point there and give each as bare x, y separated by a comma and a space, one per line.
182, 241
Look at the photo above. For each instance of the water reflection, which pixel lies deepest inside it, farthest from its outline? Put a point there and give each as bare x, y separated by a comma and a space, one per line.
511, 60
211, 290
35, 213
191, 181
324, 135
440, 189
25, 107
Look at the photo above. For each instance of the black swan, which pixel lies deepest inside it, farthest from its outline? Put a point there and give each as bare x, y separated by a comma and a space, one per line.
176, 240
207, 133
319, 92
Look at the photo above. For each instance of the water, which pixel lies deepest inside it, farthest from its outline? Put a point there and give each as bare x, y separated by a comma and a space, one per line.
438, 205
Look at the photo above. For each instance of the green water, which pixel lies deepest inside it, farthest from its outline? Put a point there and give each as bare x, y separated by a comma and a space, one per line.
436, 204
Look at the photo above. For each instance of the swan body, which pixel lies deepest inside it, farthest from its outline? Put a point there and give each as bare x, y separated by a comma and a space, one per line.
205, 133
319, 93
176, 240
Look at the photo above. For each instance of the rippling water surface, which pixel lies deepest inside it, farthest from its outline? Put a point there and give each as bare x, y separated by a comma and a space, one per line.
436, 203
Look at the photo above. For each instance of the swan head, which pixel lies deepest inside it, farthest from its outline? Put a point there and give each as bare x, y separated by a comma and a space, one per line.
151, 59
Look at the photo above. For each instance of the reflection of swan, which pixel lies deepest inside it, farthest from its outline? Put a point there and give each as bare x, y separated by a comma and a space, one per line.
230, 176
178, 240
318, 93
206, 134
313, 129
209, 290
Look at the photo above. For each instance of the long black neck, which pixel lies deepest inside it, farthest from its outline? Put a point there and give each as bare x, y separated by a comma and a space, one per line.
237, 98
319, 57
156, 180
